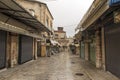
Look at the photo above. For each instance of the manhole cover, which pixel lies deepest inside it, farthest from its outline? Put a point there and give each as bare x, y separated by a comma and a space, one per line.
73, 62
79, 74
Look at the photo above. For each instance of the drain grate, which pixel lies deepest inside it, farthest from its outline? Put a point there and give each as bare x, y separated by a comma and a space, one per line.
79, 74
73, 62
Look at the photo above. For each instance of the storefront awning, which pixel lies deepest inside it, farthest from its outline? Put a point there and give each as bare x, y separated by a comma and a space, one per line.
14, 10
18, 30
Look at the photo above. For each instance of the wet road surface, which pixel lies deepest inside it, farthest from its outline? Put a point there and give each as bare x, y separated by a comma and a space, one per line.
61, 66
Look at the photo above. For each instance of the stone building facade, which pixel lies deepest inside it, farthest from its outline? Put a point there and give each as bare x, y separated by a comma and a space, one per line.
100, 34
39, 10
43, 14
20, 32
60, 36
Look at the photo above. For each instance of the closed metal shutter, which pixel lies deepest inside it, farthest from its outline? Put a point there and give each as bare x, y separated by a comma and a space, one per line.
2, 49
82, 53
112, 43
92, 55
25, 49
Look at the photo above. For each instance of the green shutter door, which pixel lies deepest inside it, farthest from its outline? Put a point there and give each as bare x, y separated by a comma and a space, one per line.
82, 53
92, 52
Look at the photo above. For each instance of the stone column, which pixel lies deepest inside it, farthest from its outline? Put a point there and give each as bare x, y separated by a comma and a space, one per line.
86, 49
86, 52
8, 61
12, 46
35, 48
103, 48
98, 50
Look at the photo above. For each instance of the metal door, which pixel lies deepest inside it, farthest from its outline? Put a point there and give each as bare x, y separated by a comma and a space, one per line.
112, 43
82, 51
25, 49
92, 55
2, 49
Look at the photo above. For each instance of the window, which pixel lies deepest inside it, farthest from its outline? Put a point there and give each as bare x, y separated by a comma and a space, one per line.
47, 21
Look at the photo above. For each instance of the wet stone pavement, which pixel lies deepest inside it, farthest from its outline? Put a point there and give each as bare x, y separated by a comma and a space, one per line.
61, 66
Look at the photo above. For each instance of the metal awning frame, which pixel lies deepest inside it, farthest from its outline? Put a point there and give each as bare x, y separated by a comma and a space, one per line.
19, 15
14, 29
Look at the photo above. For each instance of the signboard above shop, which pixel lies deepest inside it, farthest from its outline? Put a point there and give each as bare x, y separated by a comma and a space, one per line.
114, 2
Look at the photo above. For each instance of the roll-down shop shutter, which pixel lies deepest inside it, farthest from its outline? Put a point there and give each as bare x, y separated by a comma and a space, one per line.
112, 43
2, 49
25, 49
92, 54
82, 50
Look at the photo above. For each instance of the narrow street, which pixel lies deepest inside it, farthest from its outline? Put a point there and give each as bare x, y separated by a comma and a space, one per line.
57, 67
59, 40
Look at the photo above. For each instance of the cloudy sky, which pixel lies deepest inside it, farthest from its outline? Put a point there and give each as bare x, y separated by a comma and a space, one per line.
68, 13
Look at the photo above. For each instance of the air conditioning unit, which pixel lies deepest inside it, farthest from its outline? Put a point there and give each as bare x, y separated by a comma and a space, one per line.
32, 12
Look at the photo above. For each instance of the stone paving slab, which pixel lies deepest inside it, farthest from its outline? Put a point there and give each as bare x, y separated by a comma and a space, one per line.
62, 66
56, 67
93, 72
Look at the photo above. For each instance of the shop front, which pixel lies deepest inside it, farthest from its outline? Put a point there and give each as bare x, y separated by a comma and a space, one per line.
25, 49
92, 54
112, 43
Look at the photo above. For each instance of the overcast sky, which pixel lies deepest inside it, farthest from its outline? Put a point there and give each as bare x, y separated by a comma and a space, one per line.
68, 13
